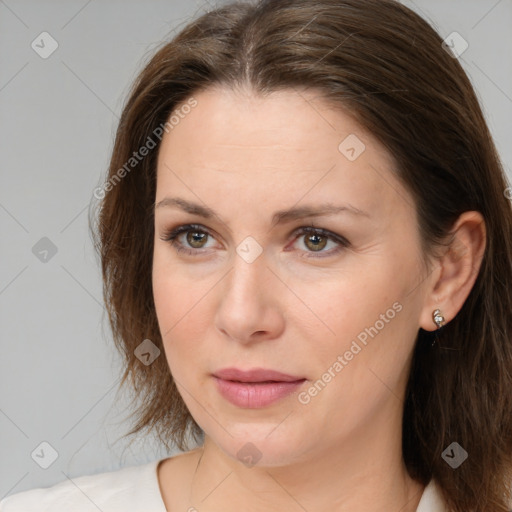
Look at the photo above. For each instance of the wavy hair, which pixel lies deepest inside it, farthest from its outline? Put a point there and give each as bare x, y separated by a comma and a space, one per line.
384, 64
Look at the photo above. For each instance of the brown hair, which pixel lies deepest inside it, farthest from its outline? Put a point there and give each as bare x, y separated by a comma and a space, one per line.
385, 65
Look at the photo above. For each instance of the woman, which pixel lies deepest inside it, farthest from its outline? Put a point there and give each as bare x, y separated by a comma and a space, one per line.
374, 375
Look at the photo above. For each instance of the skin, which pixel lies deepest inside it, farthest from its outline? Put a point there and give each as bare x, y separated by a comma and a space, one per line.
293, 309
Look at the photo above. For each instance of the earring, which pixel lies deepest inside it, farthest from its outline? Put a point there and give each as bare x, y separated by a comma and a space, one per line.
438, 319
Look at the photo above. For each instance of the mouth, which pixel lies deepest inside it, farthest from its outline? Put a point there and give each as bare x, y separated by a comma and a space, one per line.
257, 375
252, 389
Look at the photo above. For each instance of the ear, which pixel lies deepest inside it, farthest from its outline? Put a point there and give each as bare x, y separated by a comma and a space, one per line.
455, 272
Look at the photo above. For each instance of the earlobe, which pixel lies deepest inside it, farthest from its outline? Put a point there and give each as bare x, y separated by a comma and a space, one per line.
458, 269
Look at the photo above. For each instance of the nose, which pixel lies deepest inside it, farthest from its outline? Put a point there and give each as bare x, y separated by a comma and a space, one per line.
249, 309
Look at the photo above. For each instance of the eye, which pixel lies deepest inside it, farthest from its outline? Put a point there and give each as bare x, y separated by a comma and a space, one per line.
196, 236
315, 240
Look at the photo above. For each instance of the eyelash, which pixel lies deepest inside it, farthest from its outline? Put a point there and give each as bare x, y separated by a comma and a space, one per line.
171, 235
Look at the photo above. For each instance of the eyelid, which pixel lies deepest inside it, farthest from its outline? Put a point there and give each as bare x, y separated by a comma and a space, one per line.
321, 231
170, 235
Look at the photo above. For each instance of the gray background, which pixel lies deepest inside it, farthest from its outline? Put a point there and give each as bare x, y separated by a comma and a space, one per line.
58, 369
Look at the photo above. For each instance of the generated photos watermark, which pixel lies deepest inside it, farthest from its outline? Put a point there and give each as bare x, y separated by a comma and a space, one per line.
145, 149
341, 361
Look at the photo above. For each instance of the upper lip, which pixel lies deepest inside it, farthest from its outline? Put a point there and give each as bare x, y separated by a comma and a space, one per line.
255, 375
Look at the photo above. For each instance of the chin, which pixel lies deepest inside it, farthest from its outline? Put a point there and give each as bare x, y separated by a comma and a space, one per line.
263, 444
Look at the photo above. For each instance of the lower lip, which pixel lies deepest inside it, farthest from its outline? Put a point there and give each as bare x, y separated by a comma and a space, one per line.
252, 395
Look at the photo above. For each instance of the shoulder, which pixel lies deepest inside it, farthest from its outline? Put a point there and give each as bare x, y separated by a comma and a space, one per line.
432, 499
132, 488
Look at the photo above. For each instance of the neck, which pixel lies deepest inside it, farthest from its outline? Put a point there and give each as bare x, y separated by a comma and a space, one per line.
363, 473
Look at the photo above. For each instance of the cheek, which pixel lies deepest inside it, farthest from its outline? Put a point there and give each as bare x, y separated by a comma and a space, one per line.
367, 318
183, 307
174, 293
341, 306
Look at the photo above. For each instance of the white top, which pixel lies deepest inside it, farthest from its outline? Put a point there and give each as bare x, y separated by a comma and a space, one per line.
130, 489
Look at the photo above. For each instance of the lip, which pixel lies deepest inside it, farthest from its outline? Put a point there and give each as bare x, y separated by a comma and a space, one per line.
257, 388
255, 375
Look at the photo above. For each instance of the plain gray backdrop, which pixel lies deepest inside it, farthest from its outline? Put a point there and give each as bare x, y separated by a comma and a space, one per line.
58, 368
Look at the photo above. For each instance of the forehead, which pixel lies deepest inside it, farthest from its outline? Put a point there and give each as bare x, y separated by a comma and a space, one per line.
288, 145
288, 123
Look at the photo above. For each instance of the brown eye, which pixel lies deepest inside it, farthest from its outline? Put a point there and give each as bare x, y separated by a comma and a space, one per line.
196, 238
315, 242
316, 239
192, 239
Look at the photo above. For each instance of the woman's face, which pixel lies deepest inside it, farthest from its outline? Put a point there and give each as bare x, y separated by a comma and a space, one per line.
245, 288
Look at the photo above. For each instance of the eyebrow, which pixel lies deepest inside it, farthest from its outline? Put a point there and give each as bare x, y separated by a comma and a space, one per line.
279, 217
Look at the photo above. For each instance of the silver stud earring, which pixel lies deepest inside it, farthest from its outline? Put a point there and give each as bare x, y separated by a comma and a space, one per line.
438, 319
